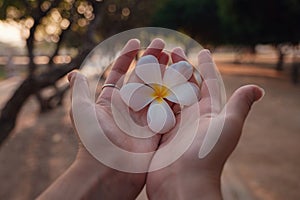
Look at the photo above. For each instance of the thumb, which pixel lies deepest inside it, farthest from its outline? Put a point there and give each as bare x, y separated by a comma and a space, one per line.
81, 103
80, 91
82, 111
235, 112
241, 101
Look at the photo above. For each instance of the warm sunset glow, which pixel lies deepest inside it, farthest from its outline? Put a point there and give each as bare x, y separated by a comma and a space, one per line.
10, 33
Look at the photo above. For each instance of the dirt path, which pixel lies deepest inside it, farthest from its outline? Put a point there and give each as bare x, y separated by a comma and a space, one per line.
267, 157
40, 149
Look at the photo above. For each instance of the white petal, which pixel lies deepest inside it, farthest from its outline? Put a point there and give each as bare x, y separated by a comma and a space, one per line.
185, 94
136, 95
148, 69
177, 73
160, 117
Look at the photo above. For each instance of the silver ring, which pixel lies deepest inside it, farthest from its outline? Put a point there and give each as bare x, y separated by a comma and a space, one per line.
178, 112
109, 85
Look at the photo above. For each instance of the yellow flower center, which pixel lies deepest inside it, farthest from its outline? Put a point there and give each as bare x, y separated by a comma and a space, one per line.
160, 92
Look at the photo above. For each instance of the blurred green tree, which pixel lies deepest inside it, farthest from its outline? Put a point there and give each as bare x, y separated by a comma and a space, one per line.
235, 22
79, 24
261, 21
198, 19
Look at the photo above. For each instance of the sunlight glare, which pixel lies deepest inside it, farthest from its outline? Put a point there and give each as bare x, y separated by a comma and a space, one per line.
10, 33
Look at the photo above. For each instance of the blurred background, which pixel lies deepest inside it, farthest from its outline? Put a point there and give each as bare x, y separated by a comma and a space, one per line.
251, 41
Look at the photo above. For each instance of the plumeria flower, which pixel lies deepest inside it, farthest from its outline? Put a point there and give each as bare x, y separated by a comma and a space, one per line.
157, 87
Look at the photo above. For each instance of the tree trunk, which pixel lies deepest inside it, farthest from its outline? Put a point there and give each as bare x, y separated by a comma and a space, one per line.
32, 85
295, 66
10, 111
280, 61
295, 73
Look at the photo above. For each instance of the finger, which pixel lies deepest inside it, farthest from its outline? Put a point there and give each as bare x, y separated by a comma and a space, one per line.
241, 101
226, 135
210, 102
120, 66
123, 62
80, 90
235, 113
155, 49
163, 59
177, 55
79, 82
80, 96
71, 77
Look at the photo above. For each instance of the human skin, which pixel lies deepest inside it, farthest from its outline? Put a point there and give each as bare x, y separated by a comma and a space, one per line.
187, 178
190, 177
99, 180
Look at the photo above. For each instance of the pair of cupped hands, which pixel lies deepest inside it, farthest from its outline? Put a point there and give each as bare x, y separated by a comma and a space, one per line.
189, 177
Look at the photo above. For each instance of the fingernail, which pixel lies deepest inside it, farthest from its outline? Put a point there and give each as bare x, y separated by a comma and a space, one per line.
135, 40
259, 95
157, 43
205, 56
70, 75
179, 52
135, 43
206, 51
132, 46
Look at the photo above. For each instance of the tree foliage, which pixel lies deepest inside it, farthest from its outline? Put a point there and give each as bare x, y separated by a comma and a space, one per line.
233, 21
77, 24
260, 21
199, 19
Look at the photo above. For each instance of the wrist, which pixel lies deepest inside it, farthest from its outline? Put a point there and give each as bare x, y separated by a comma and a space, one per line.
87, 178
109, 183
186, 185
